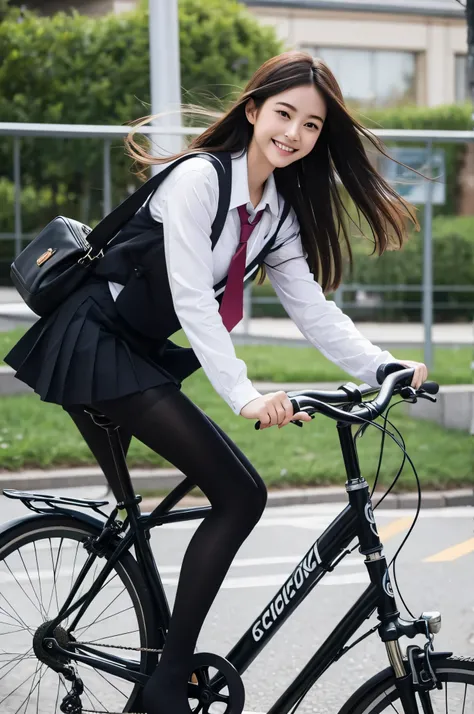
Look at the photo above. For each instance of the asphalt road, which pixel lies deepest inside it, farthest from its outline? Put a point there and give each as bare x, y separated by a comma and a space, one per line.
435, 572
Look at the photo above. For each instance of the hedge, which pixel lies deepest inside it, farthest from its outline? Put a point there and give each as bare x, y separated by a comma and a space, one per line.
74, 69
453, 264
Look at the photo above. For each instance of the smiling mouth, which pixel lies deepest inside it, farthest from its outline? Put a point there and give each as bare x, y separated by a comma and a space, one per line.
288, 148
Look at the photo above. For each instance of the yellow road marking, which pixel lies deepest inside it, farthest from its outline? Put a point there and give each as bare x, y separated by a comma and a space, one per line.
456, 551
395, 527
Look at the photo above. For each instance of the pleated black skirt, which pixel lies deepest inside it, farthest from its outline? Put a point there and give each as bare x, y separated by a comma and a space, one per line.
84, 352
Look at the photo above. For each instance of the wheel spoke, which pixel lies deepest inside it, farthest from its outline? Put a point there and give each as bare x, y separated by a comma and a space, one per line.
89, 699
39, 691
13, 632
57, 696
17, 619
54, 566
15, 662
109, 637
101, 674
39, 578
22, 588
33, 689
464, 700
28, 697
18, 686
100, 703
32, 586
39, 667
74, 567
84, 628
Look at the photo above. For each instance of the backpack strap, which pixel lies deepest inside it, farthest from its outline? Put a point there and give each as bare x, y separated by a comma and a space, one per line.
223, 166
111, 224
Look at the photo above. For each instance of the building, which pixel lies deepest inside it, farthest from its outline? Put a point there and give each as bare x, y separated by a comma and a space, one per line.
383, 52
88, 7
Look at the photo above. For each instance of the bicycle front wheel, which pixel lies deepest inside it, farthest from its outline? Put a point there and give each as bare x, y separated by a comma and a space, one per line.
40, 560
380, 694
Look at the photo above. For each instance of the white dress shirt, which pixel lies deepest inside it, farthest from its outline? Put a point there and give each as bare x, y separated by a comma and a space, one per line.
186, 203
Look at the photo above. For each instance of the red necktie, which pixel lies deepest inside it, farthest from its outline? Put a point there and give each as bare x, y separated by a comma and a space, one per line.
232, 305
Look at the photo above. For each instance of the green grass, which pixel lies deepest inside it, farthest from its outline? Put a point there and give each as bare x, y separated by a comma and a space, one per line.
290, 364
305, 364
42, 435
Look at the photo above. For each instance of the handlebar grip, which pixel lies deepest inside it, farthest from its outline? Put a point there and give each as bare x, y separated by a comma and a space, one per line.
388, 368
296, 408
430, 387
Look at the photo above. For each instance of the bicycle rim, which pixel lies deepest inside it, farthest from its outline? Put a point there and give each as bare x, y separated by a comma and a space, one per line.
39, 562
456, 675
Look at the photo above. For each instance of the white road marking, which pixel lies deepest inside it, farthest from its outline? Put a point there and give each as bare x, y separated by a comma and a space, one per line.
252, 562
319, 516
265, 581
21, 576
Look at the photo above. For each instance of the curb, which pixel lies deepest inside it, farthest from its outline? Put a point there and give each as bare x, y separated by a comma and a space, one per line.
167, 479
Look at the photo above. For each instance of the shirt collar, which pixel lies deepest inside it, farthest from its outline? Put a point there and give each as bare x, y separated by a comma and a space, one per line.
240, 194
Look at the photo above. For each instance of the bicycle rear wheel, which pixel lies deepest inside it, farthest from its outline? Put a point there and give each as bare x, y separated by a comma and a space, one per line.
40, 559
380, 694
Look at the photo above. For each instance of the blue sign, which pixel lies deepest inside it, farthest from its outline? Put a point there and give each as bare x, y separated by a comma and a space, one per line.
410, 186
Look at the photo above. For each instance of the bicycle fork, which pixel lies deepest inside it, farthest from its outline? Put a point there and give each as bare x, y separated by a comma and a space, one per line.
420, 677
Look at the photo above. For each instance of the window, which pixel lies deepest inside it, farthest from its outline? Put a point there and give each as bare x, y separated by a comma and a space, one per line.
372, 77
461, 86
124, 5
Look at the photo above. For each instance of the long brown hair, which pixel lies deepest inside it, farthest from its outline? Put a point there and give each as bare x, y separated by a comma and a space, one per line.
311, 183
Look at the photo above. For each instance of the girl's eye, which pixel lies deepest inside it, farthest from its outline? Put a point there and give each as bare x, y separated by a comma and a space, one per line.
282, 111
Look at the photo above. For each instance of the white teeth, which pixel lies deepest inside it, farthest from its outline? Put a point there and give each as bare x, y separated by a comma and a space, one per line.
285, 148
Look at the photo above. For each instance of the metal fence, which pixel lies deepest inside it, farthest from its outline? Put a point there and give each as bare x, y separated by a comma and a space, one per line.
107, 133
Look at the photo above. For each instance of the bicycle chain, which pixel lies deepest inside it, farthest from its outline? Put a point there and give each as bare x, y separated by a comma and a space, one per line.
114, 647
118, 647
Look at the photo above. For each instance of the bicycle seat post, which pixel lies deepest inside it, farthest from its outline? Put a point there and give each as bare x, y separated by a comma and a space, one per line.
120, 481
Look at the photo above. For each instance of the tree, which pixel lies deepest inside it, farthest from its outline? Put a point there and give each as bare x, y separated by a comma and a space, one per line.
75, 69
4, 9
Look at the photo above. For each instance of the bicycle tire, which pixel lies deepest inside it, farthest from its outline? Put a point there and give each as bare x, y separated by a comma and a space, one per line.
379, 694
21, 546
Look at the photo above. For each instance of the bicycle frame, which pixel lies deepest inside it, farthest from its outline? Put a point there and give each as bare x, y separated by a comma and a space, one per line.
356, 520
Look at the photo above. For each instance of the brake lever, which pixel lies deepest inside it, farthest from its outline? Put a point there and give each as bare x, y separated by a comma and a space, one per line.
411, 394
425, 395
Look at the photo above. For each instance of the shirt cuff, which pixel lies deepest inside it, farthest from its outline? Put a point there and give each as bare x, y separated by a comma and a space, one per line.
241, 395
370, 376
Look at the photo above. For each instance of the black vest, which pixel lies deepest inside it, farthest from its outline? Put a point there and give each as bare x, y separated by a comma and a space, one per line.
135, 258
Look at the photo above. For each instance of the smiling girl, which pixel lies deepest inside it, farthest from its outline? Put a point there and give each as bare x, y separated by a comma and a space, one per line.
284, 144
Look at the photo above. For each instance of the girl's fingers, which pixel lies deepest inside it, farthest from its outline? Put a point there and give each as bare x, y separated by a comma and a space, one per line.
288, 410
265, 420
272, 416
302, 416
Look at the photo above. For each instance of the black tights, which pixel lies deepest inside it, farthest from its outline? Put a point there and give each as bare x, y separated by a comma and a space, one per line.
166, 421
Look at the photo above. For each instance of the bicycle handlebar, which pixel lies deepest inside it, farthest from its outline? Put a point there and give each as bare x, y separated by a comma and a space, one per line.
392, 375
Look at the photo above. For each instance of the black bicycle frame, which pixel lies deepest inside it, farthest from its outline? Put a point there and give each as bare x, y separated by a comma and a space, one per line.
355, 521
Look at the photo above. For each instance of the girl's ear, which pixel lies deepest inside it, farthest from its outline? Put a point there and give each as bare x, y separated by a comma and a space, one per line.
251, 111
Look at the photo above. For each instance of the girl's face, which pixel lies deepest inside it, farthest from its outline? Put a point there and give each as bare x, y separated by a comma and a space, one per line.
293, 118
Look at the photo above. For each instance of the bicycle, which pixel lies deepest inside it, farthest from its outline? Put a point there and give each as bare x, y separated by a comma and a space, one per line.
64, 561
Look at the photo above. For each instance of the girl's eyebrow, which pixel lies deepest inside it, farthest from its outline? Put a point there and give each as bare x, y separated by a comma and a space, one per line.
310, 116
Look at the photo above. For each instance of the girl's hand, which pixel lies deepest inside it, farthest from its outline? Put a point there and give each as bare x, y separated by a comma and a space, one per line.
272, 409
421, 372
